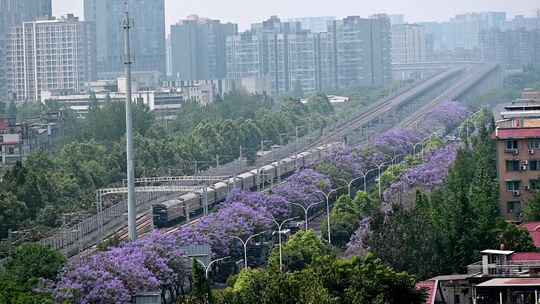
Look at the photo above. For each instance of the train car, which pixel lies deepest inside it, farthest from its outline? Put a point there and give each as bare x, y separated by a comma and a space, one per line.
168, 212
193, 203
268, 173
221, 190
210, 194
247, 181
234, 183
286, 167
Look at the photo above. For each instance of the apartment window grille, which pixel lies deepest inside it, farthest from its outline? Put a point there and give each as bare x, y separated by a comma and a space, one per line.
513, 185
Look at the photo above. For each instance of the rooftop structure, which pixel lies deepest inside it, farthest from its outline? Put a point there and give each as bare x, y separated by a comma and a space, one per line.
502, 276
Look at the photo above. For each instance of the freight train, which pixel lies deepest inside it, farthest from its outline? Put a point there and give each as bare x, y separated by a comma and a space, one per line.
186, 206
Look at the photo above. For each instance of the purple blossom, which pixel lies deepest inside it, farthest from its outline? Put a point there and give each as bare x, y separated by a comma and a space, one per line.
303, 187
447, 115
397, 141
347, 158
115, 276
427, 176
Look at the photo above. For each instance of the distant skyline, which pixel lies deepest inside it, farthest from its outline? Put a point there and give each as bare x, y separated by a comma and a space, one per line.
245, 12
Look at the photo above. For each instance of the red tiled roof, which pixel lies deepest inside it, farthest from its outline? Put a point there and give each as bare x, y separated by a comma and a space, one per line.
526, 256
430, 286
534, 232
517, 133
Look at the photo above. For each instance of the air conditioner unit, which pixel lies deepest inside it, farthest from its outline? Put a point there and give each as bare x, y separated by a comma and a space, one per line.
516, 193
524, 167
528, 188
531, 152
515, 152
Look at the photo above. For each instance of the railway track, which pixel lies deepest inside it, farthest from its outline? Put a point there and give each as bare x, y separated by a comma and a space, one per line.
378, 109
450, 94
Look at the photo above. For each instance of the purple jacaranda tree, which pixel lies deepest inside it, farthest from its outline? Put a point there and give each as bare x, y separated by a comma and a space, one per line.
302, 187
448, 115
397, 141
426, 176
114, 276
217, 229
346, 158
274, 204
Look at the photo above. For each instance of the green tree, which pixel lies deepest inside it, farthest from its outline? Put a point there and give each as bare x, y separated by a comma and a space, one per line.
202, 293
299, 252
23, 271
531, 212
12, 213
514, 238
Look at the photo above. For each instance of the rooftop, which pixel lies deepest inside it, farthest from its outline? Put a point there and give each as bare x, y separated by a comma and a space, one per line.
534, 232
508, 282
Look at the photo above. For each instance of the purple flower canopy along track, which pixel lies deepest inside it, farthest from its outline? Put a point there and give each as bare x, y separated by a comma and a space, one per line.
157, 263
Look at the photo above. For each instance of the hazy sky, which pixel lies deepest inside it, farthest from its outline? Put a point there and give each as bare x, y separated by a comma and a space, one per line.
245, 12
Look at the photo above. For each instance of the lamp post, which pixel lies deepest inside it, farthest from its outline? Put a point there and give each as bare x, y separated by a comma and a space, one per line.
280, 225
208, 267
245, 243
306, 210
327, 196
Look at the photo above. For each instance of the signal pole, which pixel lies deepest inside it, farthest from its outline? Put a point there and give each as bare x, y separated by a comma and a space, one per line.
132, 208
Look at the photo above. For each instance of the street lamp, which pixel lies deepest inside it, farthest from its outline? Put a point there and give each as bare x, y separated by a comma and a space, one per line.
327, 196
306, 210
209, 267
245, 243
280, 225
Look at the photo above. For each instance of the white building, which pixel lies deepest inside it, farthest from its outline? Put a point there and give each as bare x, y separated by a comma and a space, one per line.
52, 54
409, 44
162, 100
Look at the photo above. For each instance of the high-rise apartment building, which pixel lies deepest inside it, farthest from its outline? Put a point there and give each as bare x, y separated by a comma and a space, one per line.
409, 43
353, 52
147, 35
49, 55
463, 31
362, 52
514, 48
13, 13
198, 48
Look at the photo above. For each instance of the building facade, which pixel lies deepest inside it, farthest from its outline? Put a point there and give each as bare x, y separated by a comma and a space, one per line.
147, 36
514, 48
54, 54
353, 52
518, 154
362, 52
198, 48
14, 13
409, 44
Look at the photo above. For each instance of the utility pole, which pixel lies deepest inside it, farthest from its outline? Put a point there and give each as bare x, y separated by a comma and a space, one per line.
132, 208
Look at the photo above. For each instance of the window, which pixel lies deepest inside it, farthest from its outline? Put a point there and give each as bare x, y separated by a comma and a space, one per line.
514, 207
534, 165
534, 184
534, 143
512, 165
511, 144
11, 150
513, 185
